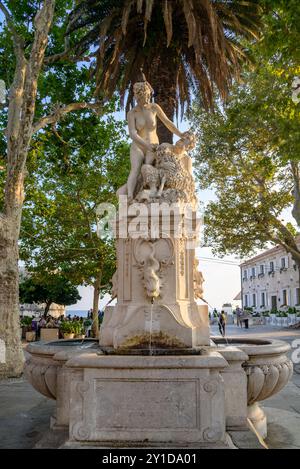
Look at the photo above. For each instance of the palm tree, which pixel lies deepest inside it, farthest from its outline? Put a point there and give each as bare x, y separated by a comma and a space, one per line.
184, 47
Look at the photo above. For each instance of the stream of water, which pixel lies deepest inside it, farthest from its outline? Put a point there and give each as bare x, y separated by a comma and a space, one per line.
151, 327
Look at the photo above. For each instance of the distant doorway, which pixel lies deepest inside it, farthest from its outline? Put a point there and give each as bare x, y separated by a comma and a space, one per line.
274, 303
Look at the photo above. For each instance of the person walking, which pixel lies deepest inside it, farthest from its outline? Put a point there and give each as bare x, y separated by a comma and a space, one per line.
239, 314
222, 323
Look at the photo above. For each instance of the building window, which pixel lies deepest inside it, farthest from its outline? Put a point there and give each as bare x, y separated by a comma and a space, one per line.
245, 277
283, 263
262, 269
297, 296
284, 298
254, 300
246, 301
272, 266
263, 299
253, 272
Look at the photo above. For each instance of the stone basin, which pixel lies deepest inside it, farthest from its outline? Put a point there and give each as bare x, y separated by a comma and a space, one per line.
267, 367
268, 370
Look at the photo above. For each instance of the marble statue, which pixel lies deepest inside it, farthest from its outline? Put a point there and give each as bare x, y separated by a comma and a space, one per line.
142, 123
158, 268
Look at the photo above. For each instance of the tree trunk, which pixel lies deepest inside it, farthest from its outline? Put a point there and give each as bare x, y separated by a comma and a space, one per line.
162, 78
48, 304
19, 130
12, 365
95, 326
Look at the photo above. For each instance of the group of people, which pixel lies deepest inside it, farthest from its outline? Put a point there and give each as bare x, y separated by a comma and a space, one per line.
45, 322
242, 318
49, 322
100, 315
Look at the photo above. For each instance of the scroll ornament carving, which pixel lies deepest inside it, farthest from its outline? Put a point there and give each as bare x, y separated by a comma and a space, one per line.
210, 387
212, 434
81, 431
82, 387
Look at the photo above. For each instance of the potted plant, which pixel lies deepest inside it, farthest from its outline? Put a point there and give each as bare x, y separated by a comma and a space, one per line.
49, 331
273, 316
265, 317
87, 324
79, 330
67, 329
26, 325
292, 315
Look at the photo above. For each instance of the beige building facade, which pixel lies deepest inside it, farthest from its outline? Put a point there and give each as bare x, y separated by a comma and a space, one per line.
270, 281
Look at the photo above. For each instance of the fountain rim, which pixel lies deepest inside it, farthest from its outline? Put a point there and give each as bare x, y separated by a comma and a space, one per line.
253, 346
250, 346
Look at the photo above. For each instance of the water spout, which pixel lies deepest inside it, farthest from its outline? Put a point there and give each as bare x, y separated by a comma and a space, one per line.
151, 325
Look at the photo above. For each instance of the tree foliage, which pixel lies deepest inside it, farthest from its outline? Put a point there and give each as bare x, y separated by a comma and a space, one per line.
249, 151
183, 46
47, 290
72, 171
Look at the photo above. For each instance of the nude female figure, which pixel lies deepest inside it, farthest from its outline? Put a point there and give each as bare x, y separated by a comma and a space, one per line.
142, 123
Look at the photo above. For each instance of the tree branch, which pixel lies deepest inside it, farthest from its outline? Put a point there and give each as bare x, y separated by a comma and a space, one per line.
85, 214
61, 111
17, 87
51, 59
296, 178
17, 40
42, 24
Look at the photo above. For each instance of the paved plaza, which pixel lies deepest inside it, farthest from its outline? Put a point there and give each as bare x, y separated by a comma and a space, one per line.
25, 414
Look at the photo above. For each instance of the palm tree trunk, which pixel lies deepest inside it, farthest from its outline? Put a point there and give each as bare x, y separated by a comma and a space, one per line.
162, 78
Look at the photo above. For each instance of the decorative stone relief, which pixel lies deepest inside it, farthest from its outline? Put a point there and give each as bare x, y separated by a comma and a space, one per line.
267, 379
151, 257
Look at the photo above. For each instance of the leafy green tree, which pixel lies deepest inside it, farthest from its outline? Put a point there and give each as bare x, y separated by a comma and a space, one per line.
32, 35
183, 46
47, 290
249, 154
72, 171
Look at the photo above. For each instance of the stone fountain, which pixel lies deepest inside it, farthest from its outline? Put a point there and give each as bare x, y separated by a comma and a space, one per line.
156, 378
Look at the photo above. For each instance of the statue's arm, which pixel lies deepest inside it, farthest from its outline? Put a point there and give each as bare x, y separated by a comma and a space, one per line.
165, 120
134, 135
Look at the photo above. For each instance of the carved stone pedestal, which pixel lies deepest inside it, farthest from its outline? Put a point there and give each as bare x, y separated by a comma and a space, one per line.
155, 290
147, 401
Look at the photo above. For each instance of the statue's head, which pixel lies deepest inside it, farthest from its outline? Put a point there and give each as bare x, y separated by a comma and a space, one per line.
142, 92
187, 142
